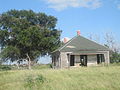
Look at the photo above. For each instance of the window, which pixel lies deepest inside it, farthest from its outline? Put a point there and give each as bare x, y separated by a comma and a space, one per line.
100, 58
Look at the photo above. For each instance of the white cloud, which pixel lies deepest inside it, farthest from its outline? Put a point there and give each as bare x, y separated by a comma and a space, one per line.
63, 4
118, 6
116, 3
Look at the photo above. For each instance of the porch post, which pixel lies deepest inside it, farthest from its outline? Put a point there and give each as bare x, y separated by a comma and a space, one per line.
107, 58
68, 55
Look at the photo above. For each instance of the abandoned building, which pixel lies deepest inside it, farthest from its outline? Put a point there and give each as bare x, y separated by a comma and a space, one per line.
79, 51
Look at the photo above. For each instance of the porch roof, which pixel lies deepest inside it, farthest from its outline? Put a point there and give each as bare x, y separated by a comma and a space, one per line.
85, 52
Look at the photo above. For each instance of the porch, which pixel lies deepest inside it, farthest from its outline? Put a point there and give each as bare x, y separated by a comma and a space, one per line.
76, 60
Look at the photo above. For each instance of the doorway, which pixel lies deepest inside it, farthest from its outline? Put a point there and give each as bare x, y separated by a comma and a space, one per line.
72, 60
83, 60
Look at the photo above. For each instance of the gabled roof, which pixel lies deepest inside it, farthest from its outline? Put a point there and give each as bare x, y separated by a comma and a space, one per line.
79, 43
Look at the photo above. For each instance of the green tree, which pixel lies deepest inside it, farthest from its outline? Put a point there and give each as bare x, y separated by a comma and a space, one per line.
27, 35
114, 49
115, 57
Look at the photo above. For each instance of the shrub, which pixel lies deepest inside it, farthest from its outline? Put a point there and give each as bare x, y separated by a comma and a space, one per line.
51, 66
42, 66
32, 82
40, 79
5, 67
29, 82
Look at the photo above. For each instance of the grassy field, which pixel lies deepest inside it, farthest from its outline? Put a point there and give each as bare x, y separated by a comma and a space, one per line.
84, 78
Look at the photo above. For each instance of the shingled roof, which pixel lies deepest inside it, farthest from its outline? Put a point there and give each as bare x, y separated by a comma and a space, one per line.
79, 43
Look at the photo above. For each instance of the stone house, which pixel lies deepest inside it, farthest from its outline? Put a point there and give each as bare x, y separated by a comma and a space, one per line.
80, 51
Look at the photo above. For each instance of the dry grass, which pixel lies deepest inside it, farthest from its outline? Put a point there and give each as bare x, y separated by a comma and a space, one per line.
85, 78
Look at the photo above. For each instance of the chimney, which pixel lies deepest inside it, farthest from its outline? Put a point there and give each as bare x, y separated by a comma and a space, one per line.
78, 32
66, 40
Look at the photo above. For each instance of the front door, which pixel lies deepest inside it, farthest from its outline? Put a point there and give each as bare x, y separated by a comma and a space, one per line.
72, 60
83, 60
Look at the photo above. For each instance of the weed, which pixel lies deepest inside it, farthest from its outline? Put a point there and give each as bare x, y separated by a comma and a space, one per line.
31, 82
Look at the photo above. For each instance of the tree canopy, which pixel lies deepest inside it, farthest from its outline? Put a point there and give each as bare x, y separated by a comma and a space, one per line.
26, 34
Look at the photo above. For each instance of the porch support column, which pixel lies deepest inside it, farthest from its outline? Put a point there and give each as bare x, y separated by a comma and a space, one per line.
107, 58
68, 55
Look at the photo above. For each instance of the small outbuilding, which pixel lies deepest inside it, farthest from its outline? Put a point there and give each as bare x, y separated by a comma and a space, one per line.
80, 51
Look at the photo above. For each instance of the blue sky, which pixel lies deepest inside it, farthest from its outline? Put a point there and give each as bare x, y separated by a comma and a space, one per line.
89, 16
94, 17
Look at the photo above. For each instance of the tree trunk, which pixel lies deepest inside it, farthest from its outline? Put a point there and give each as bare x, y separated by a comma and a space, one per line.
29, 61
18, 66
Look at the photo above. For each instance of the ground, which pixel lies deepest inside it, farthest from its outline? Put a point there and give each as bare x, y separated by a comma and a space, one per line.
84, 78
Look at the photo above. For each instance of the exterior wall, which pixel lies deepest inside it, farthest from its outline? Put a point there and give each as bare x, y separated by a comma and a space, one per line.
77, 60
64, 60
56, 62
91, 60
107, 57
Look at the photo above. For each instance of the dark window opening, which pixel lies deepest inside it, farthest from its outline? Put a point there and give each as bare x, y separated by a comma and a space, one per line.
100, 58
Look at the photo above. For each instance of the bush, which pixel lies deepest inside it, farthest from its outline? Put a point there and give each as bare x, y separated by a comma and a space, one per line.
42, 66
40, 79
115, 58
29, 82
5, 67
32, 82
51, 66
